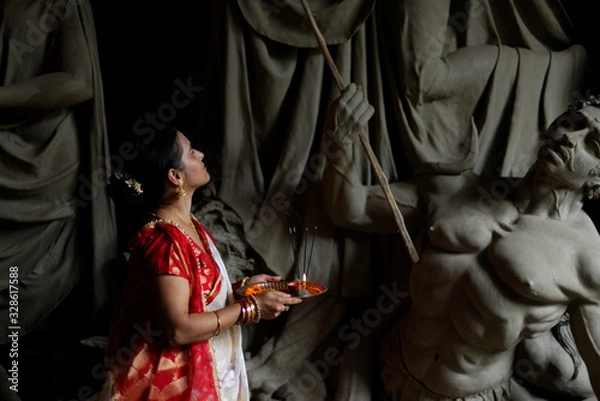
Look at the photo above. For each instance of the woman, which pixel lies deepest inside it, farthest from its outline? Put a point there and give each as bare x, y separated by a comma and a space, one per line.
177, 334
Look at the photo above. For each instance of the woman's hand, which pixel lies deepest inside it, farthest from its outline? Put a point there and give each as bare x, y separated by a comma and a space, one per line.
348, 115
272, 303
262, 278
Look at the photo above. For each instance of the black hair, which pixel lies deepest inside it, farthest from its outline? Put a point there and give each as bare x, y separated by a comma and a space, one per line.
571, 120
154, 157
140, 186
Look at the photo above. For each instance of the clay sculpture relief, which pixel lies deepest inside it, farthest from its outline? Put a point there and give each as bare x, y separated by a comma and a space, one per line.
495, 274
462, 93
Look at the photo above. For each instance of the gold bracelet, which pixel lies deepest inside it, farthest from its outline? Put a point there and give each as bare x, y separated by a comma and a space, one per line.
244, 280
218, 329
256, 318
247, 313
242, 311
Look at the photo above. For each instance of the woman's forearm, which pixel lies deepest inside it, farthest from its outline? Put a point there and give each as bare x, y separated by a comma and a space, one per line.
202, 326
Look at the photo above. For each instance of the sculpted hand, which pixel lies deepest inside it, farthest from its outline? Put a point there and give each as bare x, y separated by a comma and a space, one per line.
273, 303
348, 115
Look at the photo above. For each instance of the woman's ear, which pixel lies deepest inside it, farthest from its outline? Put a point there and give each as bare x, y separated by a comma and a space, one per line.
174, 176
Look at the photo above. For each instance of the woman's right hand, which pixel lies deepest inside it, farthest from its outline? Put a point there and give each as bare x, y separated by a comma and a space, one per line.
272, 303
348, 115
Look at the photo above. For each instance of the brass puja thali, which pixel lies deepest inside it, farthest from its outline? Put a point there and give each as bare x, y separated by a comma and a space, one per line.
297, 289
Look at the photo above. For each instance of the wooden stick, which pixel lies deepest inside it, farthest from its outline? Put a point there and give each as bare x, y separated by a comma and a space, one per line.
383, 182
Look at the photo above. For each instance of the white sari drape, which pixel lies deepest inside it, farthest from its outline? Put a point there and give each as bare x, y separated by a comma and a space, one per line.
227, 346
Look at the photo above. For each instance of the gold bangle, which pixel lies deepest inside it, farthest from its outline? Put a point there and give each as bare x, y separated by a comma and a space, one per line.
242, 311
218, 329
256, 318
244, 280
247, 313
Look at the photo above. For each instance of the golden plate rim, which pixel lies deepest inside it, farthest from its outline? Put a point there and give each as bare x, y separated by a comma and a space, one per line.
241, 291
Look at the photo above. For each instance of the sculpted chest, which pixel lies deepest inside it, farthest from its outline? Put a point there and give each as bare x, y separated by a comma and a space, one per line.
540, 258
536, 257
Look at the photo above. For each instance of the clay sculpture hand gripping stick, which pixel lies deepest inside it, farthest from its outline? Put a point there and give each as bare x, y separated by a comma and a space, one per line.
381, 178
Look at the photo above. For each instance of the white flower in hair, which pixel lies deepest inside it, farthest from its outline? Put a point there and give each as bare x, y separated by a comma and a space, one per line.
130, 182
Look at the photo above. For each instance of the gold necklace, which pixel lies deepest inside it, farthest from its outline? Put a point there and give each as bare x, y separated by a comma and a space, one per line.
189, 223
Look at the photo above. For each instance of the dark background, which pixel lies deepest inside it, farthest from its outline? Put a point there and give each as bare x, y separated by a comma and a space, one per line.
144, 47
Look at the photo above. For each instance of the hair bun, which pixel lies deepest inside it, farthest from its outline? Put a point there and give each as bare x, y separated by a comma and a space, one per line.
122, 188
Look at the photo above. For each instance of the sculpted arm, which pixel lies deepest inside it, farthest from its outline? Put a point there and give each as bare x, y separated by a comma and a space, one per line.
350, 203
432, 72
71, 81
585, 325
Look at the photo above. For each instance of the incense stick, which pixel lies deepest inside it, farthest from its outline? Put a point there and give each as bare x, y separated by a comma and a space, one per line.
292, 231
304, 262
312, 244
302, 267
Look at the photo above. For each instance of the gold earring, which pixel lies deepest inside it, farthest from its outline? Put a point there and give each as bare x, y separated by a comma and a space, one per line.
181, 192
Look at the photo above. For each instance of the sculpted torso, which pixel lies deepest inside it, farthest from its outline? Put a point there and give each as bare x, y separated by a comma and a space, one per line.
488, 278
492, 274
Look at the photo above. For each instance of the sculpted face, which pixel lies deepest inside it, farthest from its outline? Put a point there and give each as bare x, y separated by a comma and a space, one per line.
571, 149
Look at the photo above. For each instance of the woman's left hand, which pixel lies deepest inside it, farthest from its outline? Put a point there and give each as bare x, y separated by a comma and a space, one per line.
261, 278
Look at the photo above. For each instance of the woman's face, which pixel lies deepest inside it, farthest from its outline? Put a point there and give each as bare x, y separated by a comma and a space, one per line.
194, 170
571, 149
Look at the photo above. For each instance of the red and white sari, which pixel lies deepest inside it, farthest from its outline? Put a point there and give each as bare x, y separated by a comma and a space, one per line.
142, 365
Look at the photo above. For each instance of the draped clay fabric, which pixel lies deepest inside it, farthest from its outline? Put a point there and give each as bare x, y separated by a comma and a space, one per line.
510, 65
428, 68
56, 219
